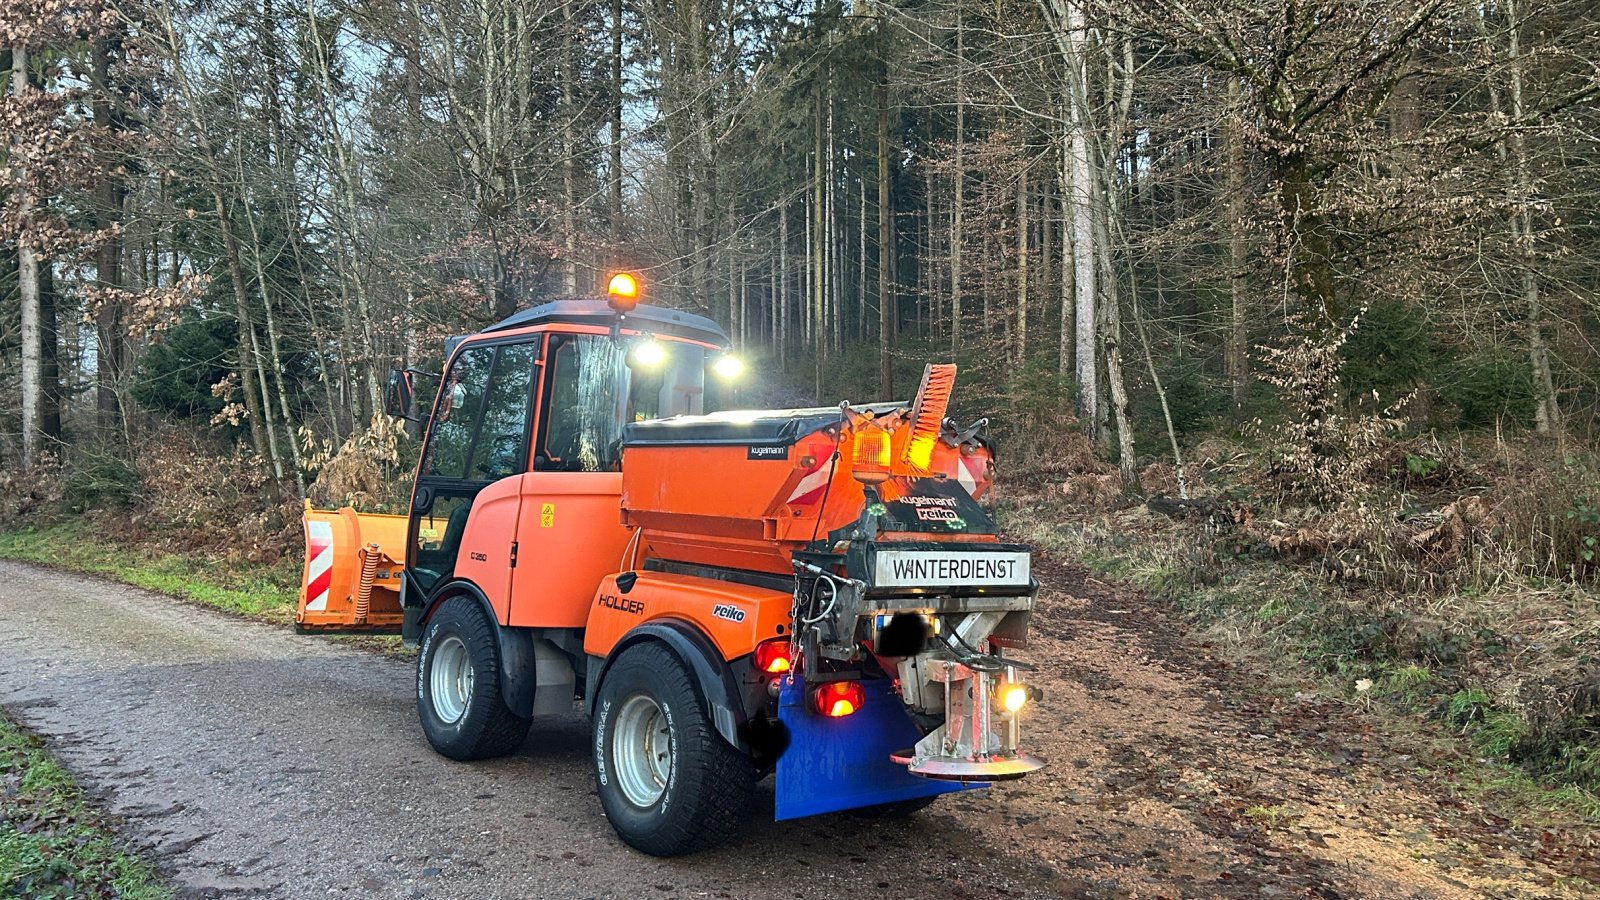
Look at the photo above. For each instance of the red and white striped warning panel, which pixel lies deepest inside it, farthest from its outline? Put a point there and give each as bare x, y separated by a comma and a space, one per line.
319, 571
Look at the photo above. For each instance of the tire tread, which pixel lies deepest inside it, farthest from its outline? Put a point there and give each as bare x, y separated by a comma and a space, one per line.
497, 731
722, 786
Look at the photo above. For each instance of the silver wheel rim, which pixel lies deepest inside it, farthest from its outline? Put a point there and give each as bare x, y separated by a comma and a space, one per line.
641, 750
451, 680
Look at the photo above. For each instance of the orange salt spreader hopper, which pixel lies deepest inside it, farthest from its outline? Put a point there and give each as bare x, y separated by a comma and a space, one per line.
747, 491
816, 594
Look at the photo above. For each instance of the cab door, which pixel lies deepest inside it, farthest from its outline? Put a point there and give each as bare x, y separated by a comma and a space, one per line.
468, 494
569, 529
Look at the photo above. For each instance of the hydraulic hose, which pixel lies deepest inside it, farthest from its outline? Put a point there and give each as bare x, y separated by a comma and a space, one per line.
369, 571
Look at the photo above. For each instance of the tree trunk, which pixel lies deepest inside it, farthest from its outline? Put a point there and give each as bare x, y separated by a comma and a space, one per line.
835, 293
569, 155
861, 269
275, 359
818, 249
110, 346
1111, 342
28, 291
615, 174
1066, 358
1546, 411
959, 186
929, 274
49, 356
244, 364
1022, 268
736, 324
1075, 150
1238, 358
346, 191
781, 332
886, 299
1047, 244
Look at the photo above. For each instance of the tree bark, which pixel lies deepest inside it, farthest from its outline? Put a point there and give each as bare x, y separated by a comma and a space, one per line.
275, 358
1075, 150
615, 174
959, 185
49, 356
28, 291
346, 192
110, 345
781, 331
1022, 268
1546, 411
1238, 359
861, 268
886, 299
244, 365
1067, 350
818, 248
569, 155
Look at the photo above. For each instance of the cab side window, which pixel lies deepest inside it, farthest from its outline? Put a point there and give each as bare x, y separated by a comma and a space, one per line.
480, 431
459, 404
501, 449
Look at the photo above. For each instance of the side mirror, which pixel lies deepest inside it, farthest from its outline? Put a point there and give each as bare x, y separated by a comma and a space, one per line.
399, 399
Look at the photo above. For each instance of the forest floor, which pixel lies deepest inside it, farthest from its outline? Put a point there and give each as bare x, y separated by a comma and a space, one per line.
1176, 771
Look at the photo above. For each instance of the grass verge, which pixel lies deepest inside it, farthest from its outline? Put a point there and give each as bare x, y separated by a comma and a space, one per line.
250, 589
256, 591
52, 843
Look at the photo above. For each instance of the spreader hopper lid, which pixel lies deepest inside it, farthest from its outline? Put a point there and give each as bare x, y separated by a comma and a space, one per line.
766, 427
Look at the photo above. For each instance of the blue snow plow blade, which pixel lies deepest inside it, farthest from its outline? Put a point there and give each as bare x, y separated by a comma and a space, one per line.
835, 764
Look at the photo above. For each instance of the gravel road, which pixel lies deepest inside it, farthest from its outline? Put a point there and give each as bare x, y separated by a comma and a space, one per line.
249, 761
255, 762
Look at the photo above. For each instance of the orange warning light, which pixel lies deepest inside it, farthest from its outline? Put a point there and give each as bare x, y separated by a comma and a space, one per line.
623, 291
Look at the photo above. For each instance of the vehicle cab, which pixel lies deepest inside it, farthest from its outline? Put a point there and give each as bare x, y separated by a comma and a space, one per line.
518, 482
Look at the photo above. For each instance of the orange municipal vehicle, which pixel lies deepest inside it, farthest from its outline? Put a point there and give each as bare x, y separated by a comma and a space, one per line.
812, 594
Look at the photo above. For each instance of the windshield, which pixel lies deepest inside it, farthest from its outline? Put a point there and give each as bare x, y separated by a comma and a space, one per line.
599, 384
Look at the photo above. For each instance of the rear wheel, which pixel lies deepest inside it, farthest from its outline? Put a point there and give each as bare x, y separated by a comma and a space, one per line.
458, 685
668, 781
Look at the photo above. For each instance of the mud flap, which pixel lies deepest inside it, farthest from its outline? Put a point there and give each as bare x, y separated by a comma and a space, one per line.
836, 764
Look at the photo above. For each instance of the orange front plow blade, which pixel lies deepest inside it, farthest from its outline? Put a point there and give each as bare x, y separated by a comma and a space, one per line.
352, 574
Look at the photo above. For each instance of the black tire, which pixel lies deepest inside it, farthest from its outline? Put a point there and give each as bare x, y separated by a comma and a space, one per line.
899, 809
468, 718
707, 782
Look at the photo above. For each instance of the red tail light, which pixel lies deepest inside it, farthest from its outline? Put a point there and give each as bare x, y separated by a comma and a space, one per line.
774, 657
837, 699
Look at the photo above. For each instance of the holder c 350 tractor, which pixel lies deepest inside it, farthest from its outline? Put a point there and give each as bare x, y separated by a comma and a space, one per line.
814, 594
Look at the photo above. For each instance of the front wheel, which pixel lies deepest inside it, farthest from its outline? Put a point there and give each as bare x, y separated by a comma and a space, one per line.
458, 686
668, 781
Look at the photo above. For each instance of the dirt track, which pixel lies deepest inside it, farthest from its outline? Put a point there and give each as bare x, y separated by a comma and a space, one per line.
253, 762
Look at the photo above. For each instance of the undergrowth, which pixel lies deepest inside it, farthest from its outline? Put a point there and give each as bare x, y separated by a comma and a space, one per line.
1455, 593
52, 843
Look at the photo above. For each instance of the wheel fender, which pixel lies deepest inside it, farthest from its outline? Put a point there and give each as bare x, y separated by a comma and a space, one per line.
518, 665
714, 681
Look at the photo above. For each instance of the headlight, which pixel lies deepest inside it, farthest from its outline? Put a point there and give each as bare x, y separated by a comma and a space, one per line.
650, 354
